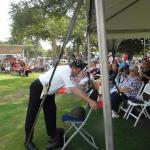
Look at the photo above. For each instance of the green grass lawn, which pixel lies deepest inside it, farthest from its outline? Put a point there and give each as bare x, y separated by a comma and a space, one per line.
14, 93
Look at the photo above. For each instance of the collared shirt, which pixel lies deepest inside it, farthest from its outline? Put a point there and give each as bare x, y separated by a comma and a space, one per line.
61, 78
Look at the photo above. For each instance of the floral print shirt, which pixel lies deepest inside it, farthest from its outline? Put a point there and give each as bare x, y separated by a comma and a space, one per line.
134, 84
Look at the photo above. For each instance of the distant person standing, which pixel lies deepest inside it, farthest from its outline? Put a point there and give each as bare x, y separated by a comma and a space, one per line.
110, 58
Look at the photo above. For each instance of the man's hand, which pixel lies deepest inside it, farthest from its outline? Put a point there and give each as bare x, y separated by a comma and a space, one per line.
93, 104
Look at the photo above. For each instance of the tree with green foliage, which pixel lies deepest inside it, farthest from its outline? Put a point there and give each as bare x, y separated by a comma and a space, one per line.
44, 19
131, 47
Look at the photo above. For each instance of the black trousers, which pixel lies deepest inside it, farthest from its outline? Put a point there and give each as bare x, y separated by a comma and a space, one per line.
116, 99
49, 109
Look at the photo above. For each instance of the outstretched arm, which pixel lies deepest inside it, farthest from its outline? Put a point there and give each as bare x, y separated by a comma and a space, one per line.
79, 93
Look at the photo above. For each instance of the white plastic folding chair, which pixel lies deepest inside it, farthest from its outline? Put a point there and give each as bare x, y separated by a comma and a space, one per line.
143, 104
125, 107
79, 128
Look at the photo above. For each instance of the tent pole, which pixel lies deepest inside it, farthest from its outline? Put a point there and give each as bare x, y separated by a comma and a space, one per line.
144, 46
88, 47
104, 74
88, 15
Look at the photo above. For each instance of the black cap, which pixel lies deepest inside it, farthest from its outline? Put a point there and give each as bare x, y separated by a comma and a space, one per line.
78, 63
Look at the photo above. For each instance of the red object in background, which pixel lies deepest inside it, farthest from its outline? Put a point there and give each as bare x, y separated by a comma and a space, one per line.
125, 57
115, 61
100, 104
61, 91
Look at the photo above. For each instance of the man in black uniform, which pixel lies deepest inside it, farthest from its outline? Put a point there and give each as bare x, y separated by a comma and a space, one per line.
62, 77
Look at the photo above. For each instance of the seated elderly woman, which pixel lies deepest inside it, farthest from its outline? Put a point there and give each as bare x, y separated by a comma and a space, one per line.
129, 89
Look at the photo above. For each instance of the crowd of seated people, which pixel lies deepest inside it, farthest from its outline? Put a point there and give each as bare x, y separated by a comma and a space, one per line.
16, 68
23, 67
128, 83
20, 68
125, 78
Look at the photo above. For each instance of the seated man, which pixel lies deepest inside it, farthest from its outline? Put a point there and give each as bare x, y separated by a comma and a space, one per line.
129, 88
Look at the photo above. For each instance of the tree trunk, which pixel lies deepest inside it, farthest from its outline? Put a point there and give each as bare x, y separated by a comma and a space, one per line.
78, 42
54, 47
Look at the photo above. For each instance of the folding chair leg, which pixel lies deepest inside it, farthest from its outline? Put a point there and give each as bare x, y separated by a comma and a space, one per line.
91, 142
139, 116
146, 114
78, 130
127, 110
71, 137
88, 134
69, 129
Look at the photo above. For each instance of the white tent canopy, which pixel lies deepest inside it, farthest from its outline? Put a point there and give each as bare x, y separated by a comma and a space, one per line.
132, 21
126, 19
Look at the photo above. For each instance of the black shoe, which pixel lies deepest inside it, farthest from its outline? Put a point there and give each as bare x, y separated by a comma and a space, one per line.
57, 141
31, 146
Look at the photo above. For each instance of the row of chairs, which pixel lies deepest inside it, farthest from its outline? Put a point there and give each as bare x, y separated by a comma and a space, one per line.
140, 105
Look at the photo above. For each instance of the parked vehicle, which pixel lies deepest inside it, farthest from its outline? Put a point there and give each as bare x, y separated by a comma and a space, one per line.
8, 58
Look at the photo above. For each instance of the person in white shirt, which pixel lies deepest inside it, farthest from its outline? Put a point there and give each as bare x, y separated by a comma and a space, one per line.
62, 77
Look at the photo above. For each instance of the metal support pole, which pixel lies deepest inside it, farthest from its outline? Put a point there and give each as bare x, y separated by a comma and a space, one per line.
87, 15
23, 53
104, 74
144, 46
88, 46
